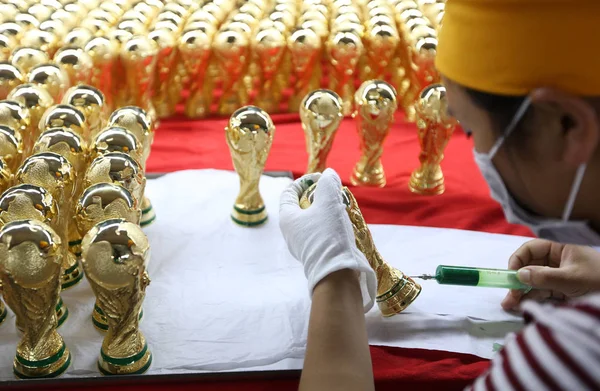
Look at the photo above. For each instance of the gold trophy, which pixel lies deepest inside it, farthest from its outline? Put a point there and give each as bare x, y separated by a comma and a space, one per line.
7, 45
345, 49
30, 270
115, 258
52, 77
249, 135
37, 100
10, 77
375, 105
78, 37
25, 58
100, 202
395, 290
11, 147
55, 173
269, 46
105, 55
321, 115
90, 101
231, 50
195, 49
117, 139
435, 128
139, 56
166, 94
64, 116
6, 176
305, 56
76, 62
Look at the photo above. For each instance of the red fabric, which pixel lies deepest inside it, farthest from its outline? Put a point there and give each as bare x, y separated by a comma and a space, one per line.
182, 144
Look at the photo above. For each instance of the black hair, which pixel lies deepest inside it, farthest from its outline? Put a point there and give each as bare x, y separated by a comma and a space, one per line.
501, 108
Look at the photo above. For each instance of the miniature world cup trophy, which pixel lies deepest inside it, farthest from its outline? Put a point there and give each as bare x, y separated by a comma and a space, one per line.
105, 55
376, 105
395, 290
101, 202
37, 100
30, 270
10, 77
194, 49
76, 62
435, 127
139, 55
52, 77
166, 93
11, 147
269, 46
90, 101
249, 135
25, 58
115, 258
231, 50
321, 115
345, 49
305, 49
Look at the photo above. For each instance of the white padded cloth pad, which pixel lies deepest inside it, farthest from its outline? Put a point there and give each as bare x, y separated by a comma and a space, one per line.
228, 298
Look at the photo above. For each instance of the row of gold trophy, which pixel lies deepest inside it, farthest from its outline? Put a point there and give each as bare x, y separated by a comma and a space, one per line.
217, 55
250, 133
73, 181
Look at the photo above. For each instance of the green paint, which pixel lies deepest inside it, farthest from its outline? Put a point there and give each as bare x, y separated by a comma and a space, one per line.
123, 361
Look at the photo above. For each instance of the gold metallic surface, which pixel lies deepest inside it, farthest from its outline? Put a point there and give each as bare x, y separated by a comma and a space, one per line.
90, 101
321, 115
305, 56
395, 290
195, 48
435, 127
52, 77
138, 122
10, 77
28, 202
139, 56
30, 270
25, 58
269, 46
167, 88
76, 62
345, 49
6, 176
78, 37
7, 45
40, 39
37, 100
104, 53
11, 147
64, 116
231, 51
249, 135
14, 115
375, 105
115, 258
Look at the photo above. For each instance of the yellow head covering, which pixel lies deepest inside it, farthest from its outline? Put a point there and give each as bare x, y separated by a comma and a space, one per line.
510, 47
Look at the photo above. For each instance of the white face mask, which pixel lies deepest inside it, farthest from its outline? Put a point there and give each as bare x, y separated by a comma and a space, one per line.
558, 230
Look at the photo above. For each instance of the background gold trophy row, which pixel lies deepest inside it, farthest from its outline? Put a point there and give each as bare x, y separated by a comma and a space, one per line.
218, 55
73, 181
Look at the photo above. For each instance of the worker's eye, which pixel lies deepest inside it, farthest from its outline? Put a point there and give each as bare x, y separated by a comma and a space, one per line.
468, 132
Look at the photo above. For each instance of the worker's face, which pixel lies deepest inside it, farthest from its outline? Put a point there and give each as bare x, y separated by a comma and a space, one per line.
535, 164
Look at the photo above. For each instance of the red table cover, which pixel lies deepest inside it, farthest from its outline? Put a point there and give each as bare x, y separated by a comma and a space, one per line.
183, 144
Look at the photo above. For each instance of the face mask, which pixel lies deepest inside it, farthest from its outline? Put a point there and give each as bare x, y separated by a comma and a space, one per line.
558, 230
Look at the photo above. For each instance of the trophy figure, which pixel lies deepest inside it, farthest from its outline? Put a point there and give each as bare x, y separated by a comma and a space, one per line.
100, 202
139, 55
64, 116
269, 46
139, 123
231, 51
6, 176
117, 139
30, 270
321, 115
72, 147
376, 105
115, 258
90, 101
37, 100
345, 49
395, 290
194, 50
10, 77
105, 54
11, 147
55, 173
249, 135
435, 127
16, 117
78, 37
25, 58
120, 169
7, 44
76, 62
166, 95
52, 77
305, 55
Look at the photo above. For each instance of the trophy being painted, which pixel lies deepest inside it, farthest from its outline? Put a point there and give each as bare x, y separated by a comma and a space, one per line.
375, 105
115, 259
395, 290
90, 101
321, 115
30, 270
139, 123
101, 202
194, 50
435, 128
54, 173
249, 135
305, 48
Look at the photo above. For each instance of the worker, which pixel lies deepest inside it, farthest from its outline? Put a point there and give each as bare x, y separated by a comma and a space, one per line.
522, 78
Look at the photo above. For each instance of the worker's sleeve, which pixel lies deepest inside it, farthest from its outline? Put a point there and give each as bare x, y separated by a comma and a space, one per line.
559, 349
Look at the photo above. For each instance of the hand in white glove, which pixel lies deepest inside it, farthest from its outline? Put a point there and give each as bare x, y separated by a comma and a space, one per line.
321, 237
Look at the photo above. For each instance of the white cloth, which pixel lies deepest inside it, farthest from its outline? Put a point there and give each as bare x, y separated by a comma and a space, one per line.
226, 298
321, 237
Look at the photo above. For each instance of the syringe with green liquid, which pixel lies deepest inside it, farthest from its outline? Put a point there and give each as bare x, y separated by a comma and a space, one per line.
475, 276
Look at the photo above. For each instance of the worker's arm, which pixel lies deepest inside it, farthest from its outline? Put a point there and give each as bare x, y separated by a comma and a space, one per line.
337, 354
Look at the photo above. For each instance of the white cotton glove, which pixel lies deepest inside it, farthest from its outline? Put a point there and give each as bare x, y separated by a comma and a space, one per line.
321, 236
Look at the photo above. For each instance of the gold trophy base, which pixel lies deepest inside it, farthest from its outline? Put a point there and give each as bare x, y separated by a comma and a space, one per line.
71, 276
427, 181
3, 312
249, 218
52, 366
400, 296
148, 214
99, 319
133, 365
361, 178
